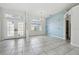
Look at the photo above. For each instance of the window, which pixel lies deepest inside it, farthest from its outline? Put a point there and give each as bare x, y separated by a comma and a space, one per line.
36, 25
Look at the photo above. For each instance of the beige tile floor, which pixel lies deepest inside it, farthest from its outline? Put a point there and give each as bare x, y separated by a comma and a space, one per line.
38, 45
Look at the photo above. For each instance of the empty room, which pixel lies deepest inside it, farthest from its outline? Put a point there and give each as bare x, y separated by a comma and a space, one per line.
39, 29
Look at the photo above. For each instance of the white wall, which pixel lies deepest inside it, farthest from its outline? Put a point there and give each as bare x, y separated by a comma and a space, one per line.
1, 19
0, 23
75, 26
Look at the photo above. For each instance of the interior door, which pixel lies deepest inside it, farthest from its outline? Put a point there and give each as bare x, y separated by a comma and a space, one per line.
68, 27
15, 28
20, 29
10, 29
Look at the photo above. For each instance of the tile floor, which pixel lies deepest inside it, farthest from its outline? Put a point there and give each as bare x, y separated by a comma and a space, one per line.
39, 45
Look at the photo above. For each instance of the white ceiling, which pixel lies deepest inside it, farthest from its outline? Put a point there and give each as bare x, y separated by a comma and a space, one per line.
37, 8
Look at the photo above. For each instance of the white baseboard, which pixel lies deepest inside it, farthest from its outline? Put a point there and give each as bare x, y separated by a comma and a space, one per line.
76, 45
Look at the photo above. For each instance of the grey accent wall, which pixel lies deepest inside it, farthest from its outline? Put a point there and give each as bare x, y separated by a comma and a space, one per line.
55, 25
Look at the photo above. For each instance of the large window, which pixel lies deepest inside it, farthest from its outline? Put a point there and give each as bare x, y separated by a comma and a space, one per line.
36, 25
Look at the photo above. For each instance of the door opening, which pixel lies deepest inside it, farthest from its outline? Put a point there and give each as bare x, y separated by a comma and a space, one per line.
68, 28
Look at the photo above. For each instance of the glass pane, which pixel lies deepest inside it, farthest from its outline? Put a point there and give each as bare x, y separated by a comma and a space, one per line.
20, 29
10, 28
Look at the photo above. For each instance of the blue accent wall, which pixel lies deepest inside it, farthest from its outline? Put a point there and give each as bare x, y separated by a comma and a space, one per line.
55, 25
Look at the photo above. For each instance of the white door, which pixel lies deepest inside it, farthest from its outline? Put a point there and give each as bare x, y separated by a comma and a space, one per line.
15, 28
20, 29
10, 29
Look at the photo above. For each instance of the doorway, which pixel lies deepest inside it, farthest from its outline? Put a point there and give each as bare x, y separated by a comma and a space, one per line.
68, 27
